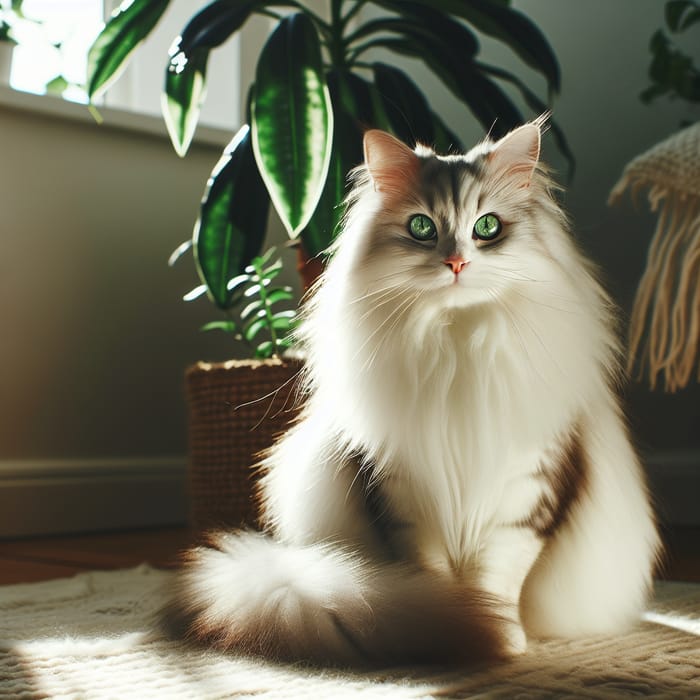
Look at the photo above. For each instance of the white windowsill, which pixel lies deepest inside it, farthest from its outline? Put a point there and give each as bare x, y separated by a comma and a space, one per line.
54, 106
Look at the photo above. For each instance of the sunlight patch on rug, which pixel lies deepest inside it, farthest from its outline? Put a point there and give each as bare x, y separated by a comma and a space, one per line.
94, 636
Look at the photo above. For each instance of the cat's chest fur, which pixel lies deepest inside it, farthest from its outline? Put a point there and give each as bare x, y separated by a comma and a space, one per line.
474, 425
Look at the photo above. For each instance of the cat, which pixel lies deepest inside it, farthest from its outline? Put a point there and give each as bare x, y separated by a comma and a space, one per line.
461, 478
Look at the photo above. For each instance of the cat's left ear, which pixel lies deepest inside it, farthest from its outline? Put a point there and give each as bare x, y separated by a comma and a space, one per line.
517, 153
390, 162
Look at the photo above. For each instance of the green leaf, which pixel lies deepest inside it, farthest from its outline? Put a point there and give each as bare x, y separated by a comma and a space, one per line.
265, 350
674, 11
253, 328
279, 294
353, 111
226, 326
539, 107
182, 98
491, 106
282, 324
273, 272
292, 121
233, 219
691, 18
125, 30
198, 291
273, 269
448, 48
57, 85
214, 24
511, 27
237, 282
405, 105
185, 75
179, 252
652, 92
286, 342
420, 20
255, 288
251, 309
352, 96
265, 258
284, 315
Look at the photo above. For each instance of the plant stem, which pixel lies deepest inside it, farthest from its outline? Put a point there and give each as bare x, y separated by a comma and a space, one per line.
323, 27
353, 11
270, 14
336, 43
362, 48
268, 310
237, 335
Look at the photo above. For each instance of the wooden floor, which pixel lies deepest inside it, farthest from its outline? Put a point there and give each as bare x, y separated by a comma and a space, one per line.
43, 558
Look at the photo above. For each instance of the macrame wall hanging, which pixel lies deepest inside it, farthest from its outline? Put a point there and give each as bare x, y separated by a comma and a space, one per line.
664, 332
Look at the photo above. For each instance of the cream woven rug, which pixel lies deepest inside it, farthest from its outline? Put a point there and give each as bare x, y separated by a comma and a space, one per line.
88, 637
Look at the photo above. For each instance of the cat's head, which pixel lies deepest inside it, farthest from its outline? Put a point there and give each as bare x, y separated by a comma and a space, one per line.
457, 230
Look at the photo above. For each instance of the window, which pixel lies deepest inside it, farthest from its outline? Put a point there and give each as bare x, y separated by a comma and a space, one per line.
55, 45
52, 56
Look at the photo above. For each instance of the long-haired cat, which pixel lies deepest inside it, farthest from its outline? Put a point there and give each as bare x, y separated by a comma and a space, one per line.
461, 478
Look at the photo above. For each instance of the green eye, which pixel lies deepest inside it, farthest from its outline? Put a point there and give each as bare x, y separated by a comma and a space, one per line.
422, 228
487, 227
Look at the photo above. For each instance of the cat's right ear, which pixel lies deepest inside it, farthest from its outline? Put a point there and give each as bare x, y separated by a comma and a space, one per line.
390, 162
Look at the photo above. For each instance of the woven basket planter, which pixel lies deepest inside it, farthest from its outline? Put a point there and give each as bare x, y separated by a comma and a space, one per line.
236, 410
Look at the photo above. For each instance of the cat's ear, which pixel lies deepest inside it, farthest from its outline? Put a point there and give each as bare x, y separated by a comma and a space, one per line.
390, 162
517, 153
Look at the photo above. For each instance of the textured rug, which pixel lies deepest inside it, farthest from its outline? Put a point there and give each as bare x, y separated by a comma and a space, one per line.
90, 637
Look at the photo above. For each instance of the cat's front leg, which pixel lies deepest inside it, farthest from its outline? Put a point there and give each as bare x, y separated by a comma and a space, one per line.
505, 559
511, 545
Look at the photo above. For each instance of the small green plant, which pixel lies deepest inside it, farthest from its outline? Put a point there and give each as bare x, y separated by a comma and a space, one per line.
254, 316
672, 72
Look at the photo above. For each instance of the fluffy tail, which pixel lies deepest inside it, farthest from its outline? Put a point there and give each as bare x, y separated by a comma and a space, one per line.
321, 604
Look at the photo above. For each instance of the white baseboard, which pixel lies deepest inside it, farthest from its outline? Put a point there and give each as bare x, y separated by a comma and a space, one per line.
64, 496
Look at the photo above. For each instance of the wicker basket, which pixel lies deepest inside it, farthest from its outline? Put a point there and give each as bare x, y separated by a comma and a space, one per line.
236, 410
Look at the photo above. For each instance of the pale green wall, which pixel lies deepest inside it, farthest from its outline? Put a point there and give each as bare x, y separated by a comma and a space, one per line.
95, 336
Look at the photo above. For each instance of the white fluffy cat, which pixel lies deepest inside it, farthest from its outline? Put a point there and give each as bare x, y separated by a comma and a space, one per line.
461, 477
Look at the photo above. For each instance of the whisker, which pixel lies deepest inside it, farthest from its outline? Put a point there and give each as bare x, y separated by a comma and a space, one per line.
521, 340
372, 293
394, 317
388, 298
578, 310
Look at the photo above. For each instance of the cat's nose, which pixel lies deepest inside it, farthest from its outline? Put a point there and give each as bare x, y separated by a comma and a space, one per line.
456, 263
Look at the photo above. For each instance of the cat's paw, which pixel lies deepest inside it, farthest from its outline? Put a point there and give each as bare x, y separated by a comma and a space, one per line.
514, 639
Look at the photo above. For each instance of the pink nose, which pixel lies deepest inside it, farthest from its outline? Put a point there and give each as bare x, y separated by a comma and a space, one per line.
456, 263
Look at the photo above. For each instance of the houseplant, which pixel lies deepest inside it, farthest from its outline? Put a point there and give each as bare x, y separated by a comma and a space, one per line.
672, 71
316, 89
306, 121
